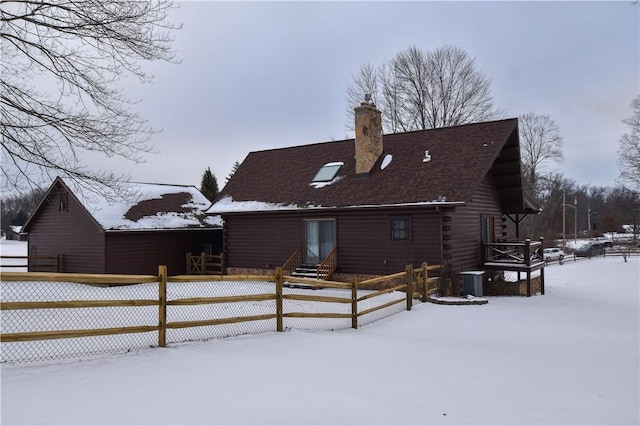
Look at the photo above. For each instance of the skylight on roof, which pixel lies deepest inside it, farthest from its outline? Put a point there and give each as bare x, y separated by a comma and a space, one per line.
328, 172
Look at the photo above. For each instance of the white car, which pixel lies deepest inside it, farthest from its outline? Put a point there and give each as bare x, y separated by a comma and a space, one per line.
551, 254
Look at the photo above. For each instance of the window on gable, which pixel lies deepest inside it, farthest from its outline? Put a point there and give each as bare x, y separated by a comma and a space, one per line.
401, 229
63, 202
327, 172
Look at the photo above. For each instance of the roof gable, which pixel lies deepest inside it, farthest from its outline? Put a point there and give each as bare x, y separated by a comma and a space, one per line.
146, 207
458, 159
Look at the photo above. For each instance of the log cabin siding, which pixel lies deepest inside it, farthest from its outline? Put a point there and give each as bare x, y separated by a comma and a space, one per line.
466, 226
71, 233
358, 255
264, 241
261, 241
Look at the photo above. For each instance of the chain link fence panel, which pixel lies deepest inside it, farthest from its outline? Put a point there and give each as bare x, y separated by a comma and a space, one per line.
58, 319
219, 311
228, 308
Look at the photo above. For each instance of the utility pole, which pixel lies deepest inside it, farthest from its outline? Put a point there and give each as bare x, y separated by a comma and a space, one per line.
564, 217
575, 220
564, 221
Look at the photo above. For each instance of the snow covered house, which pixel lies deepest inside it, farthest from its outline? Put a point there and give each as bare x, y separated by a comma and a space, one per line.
373, 204
154, 225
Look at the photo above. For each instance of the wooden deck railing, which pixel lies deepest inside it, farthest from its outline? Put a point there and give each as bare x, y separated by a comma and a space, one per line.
292, 263
328, 265
205, 264
522, 256
514, 256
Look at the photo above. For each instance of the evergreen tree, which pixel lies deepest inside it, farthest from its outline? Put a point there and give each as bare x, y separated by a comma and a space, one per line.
209, 185
236, 164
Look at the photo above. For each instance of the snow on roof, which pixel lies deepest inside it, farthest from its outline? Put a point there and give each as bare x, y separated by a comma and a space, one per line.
148, 206
228, 205
323, 184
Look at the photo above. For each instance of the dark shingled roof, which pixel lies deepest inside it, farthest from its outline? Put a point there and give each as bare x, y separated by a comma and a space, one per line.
461, 157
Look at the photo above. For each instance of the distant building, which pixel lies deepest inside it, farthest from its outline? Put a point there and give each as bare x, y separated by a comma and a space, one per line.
16, 234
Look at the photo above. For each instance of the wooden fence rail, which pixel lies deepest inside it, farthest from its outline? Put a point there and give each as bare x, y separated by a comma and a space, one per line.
412, 281
32, 262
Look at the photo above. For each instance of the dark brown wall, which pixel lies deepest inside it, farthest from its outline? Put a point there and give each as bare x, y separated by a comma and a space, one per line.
141, 252
365, 245
72, 233
261, 241
364, 240
466, 226
86, 248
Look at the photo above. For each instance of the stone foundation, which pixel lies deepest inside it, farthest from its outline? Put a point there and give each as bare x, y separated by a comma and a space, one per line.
506, 288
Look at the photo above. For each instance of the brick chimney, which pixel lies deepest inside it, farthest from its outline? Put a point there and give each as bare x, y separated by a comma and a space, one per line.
368, 136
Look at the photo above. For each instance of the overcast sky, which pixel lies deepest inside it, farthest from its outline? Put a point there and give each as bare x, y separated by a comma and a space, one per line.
261, 75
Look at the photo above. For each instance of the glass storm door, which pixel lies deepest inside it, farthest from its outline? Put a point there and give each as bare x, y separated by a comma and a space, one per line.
320, 239
488, 235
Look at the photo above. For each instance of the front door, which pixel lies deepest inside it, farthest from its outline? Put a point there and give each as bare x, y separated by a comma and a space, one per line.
320, 239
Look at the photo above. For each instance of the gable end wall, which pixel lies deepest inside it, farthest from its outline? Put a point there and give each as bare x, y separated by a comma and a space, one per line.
72, 233
466, 227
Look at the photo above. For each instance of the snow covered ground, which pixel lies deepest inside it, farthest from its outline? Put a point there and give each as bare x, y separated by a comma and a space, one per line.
569, 357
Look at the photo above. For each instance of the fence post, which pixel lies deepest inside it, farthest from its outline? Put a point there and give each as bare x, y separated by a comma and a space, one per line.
279, 313
203, 263
354, 303
425, 283
409, 270
162, 308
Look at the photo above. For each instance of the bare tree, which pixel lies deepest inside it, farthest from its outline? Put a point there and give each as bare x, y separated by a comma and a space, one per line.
540, 142
458, 92
629, 150
419, 89
365, 82
78, 50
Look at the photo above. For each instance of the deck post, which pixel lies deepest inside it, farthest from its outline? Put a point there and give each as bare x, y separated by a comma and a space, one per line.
203, 263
